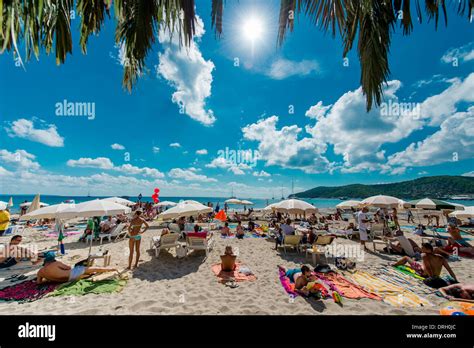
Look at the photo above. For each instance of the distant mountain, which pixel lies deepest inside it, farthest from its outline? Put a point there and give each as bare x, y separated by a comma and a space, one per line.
433, 187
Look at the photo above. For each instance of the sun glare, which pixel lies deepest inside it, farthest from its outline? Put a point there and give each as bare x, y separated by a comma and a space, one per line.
253, 28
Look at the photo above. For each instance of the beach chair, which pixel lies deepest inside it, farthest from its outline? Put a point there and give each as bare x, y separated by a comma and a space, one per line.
406, 246
198, 243
168, 241
291, 241
377, 236
119, 232
174, 228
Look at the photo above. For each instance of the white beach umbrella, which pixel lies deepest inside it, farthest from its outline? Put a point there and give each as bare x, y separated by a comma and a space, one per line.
348, 204
468, 212
381, 201
35, 204
49, 212
185, 209
3, 205
189, 201
95, 207
119, 200
295, 206
165, 204
233, 201
270, 207
27, 204
245, 202
10, 202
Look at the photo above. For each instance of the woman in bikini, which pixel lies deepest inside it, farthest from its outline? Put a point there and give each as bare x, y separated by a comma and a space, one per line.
134, 232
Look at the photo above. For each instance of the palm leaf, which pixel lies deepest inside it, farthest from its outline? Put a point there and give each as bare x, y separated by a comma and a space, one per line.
216, 16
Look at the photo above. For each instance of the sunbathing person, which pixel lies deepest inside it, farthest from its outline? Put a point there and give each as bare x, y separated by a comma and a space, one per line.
228, 260
456, 240
239, 231
302, 278
58, 272
464, 292
13, 253
431, 265
226, 230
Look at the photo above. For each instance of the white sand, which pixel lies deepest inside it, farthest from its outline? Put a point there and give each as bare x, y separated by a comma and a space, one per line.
167, 285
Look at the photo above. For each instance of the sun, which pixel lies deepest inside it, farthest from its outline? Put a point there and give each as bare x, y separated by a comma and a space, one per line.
253, 28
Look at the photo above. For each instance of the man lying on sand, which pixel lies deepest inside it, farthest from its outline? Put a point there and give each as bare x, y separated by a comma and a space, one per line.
431, 266
13, 253
303, 280
458, 241
464, 292
58, 272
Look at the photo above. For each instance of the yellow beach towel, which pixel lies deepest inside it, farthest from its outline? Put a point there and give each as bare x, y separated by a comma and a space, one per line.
394, 295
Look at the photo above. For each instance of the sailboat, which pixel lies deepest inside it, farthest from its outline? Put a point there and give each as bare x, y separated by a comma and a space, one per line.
282, 197
232, 194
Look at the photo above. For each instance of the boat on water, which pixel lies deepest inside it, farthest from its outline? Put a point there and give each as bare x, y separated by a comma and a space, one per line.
462, 198
343, 198
70, 201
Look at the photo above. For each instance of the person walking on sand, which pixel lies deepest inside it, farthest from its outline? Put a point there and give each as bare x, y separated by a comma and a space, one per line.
134, 231
362, 220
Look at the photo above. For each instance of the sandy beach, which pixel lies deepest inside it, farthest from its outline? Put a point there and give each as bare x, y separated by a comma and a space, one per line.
168, 285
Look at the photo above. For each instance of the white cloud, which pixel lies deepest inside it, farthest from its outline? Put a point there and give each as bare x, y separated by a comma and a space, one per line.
175, 145
358, 136
25, 129
283, 68
282, 147
262, 173
99, 162
155, 149
19, 159
117, 147
189, 73
453, 141
318, 111
201, 152
145, 171
189, 175
236, 168
4, 172
471, 174
462, 54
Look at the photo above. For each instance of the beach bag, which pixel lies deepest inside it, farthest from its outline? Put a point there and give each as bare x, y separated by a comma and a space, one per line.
180, 252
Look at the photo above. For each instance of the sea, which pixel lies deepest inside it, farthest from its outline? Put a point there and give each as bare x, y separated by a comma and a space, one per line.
323, 203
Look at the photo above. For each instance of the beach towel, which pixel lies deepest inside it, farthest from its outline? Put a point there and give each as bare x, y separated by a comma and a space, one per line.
27, 291
224, 276
344, 287
392, 294
408, 271
457, 308
86, 286
290, 287
394, 276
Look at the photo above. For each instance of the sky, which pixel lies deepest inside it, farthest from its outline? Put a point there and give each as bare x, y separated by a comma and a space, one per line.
237, 112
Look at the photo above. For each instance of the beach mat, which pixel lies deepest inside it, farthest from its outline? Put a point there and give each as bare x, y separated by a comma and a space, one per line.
27, 291
289, 287
344, 287
392, 294
6, 274
87, 286
224, 276
408, 271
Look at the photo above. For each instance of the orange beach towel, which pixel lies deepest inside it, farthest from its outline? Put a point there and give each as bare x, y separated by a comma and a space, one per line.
225, 276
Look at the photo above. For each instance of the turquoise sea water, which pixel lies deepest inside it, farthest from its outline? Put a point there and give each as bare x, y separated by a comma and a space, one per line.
258, 203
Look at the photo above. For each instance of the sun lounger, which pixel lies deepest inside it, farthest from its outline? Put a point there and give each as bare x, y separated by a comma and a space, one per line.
198, 243
291, 241
119, 232
168, 241
377, 236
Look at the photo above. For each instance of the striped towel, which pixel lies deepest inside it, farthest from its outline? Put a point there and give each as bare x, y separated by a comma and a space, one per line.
392, 294
392, 275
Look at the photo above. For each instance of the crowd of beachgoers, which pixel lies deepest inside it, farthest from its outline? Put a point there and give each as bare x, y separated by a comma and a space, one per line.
362, 258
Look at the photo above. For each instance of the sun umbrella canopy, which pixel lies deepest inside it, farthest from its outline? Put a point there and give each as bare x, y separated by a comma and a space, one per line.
295, 206
381, 201
233, 201
348, 204
435, 204
165, 204
468, 212
3, 205
245, 202
185, 209
95, 207
190, 201
270, 207
27, 204
10, 202
49, 212
119, 200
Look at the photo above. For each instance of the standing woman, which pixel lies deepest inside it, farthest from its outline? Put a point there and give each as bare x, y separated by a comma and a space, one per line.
134, 232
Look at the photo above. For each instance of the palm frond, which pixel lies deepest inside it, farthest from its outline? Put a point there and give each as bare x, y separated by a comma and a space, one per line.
216, 16
92, 14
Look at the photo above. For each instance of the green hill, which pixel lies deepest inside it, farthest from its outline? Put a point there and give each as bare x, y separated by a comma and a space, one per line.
433, 187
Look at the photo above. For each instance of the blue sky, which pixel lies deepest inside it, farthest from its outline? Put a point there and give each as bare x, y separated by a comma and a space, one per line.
297, 112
